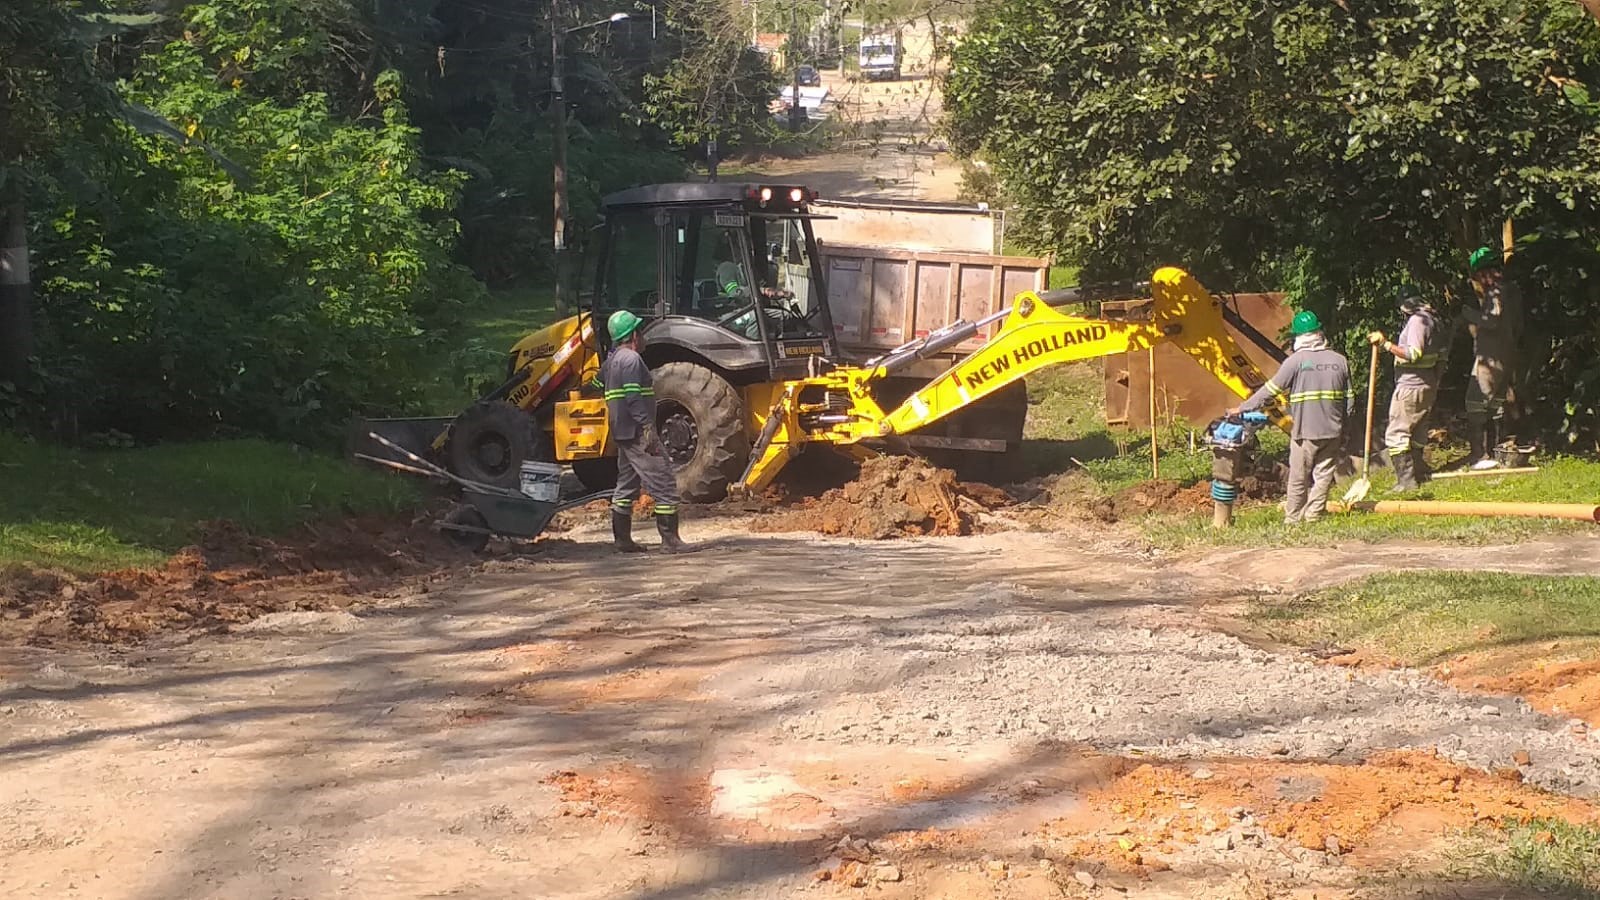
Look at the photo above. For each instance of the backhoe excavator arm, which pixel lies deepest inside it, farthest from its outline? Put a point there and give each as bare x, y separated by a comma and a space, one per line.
1035, 336
1032, 336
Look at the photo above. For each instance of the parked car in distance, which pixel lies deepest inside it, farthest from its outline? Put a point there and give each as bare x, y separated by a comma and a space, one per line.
808, 76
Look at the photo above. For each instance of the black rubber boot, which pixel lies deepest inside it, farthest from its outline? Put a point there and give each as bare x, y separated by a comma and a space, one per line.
622, 532
1405, 476
1419, 466
667, 524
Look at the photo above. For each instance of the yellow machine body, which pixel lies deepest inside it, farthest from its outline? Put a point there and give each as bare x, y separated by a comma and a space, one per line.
838, 407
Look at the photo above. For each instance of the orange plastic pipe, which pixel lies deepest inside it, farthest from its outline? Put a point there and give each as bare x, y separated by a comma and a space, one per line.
1582, 512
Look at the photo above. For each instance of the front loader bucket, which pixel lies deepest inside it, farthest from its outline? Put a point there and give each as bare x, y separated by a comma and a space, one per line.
416, 435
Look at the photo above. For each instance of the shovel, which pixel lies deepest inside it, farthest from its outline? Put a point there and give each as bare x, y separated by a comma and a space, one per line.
1358, 488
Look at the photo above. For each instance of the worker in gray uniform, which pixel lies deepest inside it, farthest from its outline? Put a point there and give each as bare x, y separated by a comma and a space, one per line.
1496, 328
1416, 385
1314, 385
631, 421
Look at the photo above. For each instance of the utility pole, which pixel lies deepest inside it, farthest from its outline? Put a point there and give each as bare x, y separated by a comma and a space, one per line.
792, 58
558, 128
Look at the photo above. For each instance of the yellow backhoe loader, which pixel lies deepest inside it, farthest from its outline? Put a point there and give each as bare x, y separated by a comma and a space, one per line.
748, 368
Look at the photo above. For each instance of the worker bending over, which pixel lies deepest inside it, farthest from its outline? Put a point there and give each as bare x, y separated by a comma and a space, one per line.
1314, 384
631, 421
1416, 385
1496, 326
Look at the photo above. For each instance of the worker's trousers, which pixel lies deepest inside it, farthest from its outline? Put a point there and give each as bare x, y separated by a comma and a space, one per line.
1311, 468
644, 460
1487, 387
1407, 409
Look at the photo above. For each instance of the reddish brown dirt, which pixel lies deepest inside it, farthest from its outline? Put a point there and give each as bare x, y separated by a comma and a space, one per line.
894, 496
674, 800
227, 578
1133, 817
1154, 809
1155, 495
1570, 689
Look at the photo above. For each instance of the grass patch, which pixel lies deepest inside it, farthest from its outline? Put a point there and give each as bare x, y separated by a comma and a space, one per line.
1560, 480
1067, 429
1547, 856
1419, 618
510, 315
487, 334
97, 510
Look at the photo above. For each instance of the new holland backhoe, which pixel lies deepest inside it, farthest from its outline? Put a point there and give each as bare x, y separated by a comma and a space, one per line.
729, 280
747, 368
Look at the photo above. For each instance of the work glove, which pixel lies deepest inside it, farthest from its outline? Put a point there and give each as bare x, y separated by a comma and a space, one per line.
1376, 339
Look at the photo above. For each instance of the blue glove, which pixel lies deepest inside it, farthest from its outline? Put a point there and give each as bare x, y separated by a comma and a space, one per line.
1255, 418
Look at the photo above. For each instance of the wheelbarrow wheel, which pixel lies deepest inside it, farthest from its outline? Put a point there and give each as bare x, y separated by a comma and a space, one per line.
465, 516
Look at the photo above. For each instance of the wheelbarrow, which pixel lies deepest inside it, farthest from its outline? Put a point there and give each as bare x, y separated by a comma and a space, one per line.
485, 510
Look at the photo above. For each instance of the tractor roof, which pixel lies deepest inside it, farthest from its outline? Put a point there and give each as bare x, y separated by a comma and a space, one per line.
684, 192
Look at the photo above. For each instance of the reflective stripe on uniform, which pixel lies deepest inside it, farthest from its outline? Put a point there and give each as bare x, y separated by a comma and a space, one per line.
1310, 396
1416, 359
630, 390
663, 509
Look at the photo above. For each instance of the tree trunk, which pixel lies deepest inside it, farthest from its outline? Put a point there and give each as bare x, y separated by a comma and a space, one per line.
16, 293
1593, 6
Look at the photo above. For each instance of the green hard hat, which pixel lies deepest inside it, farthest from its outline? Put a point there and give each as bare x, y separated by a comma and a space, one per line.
1483, 258
622, 324
1305, 321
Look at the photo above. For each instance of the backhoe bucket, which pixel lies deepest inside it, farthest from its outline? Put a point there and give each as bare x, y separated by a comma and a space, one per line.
416, 435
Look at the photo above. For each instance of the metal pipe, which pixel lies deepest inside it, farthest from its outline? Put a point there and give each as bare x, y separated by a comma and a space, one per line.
1578, 512
1476, 473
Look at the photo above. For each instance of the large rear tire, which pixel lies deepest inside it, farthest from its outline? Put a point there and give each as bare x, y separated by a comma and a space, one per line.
700, 419
490, 441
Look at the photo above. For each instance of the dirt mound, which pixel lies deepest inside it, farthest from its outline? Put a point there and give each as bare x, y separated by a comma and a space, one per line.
1156, 495
893, 496
228, 577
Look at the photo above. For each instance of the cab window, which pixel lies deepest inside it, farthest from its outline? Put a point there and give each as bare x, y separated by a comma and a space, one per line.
633, 267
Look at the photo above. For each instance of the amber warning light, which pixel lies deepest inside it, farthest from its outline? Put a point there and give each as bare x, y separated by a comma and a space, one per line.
789, 197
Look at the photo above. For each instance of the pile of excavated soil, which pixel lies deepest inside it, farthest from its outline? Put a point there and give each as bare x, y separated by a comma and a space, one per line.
228, 577
893, 496
1158, 495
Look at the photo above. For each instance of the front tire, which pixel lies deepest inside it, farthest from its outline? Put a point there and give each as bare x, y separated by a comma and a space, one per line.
700, 420
465, 516
490, 441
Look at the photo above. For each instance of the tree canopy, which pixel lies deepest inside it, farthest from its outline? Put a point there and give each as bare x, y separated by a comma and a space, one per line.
265, 215
1332, 149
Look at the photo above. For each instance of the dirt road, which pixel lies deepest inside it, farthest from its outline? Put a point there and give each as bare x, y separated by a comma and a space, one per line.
886, 146
1011, 715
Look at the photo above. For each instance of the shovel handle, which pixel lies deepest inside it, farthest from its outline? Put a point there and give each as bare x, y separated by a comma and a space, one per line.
1372, 393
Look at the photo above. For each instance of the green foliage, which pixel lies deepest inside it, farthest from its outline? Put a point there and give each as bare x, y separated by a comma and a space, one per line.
277, 306
1328, 148
95, 510
717, 86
